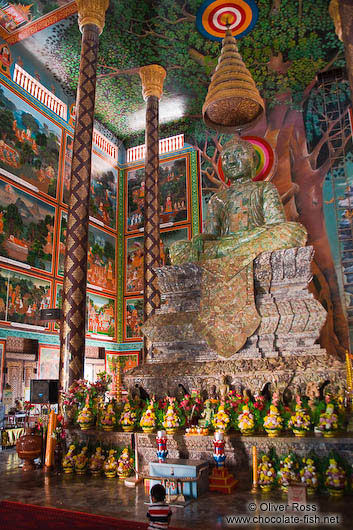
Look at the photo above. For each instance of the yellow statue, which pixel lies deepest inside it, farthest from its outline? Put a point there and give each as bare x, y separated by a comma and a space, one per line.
243, 220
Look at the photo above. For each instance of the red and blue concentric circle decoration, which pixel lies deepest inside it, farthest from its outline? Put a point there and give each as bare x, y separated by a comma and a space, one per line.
213, 16
266, 159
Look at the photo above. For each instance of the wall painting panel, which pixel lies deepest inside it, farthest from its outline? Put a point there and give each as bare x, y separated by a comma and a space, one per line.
133, 319
49, 357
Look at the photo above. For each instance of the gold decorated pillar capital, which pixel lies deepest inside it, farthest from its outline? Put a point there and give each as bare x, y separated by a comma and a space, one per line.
334, 11
152, 77
92, 12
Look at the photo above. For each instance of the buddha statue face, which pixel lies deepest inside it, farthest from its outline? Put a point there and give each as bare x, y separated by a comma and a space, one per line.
238, 160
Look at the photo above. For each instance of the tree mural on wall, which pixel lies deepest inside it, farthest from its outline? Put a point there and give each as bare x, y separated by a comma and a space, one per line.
291, 43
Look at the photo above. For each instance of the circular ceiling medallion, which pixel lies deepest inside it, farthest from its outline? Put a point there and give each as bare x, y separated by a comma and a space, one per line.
266, 159
213, 16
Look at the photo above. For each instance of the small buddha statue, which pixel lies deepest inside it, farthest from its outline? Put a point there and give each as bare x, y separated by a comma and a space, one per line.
243, 220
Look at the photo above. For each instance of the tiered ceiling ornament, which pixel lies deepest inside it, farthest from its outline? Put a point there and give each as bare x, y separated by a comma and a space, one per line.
233, 102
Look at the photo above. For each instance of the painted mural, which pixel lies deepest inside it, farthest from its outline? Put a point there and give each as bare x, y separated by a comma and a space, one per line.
127, 361
134, 256
49, 357
16, 14
104, 181
100, 322
22, 297
133, 318
101, 256
173, 193
26, 227
29, 145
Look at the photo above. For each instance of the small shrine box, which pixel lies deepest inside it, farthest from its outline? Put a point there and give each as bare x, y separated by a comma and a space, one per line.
178, 469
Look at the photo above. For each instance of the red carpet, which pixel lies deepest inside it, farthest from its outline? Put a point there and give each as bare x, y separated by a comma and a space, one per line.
18, 516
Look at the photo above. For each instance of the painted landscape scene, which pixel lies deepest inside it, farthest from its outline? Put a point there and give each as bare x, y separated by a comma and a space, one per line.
26, 227
133, 318
22, 297
173, 194
29, 144
134, 257
101, 256
100, 316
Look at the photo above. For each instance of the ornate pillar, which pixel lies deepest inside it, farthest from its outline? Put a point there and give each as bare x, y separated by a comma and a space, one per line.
72, 348
152, 78
341, 12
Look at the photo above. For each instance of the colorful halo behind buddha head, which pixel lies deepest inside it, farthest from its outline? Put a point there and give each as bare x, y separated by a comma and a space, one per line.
266, 159
213, 16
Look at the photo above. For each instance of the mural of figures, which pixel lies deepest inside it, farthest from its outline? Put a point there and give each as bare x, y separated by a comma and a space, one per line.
16, 14
26, 227
104, 182
69, 142
101, 256
29, 144
100, 321
133, 318
134, 256
22, 297
173, 193
127, 360
49, 357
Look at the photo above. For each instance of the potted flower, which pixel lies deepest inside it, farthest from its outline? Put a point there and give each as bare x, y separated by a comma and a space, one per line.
300, 421
85, 417
128, 418
266, 474
108, 419
125, 464
328, 422
110, 464
273, 421
171, 420
191, 405
287, 473
148, 419
68, 460
309, 476
221, 420
96, 462
246, 422
59, 435
81, 461
335, 478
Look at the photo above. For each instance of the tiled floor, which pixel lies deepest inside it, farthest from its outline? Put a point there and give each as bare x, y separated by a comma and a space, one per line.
109, 497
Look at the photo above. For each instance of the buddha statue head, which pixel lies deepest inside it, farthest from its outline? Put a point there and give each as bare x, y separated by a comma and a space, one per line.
238, 160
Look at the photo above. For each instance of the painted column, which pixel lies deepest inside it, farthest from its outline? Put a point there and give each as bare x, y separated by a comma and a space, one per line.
72, 348
152, 78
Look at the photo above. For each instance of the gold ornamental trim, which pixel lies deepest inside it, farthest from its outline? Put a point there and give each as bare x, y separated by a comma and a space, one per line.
152, 77
92, 12
334, 12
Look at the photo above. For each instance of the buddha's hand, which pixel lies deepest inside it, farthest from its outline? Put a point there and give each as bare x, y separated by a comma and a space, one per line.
197, 245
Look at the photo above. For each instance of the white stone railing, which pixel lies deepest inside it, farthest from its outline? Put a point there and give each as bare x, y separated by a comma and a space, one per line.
37, 90
166, 145
105, 145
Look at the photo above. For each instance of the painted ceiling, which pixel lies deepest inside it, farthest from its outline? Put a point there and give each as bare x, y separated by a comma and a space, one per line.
286, 46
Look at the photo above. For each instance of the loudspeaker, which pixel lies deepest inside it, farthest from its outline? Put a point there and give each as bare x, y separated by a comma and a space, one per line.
50, 314
44, 391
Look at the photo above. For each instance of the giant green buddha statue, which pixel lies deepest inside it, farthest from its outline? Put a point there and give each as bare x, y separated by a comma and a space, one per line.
243, 220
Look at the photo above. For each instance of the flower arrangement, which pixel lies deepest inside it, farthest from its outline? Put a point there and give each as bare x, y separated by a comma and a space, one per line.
68, 460
110, 464
191, 405
125, 464
108, 419
288, 471
171, 420
85, 417
266, 474
96, 462
81, 461
246, 421
221, 419
328, 422
300, 421
59, 432
148, 419
335, 478
27, 407
273, 421
309, 476
128, 418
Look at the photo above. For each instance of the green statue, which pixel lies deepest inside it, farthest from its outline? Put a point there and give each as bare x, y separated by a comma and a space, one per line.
243, 220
